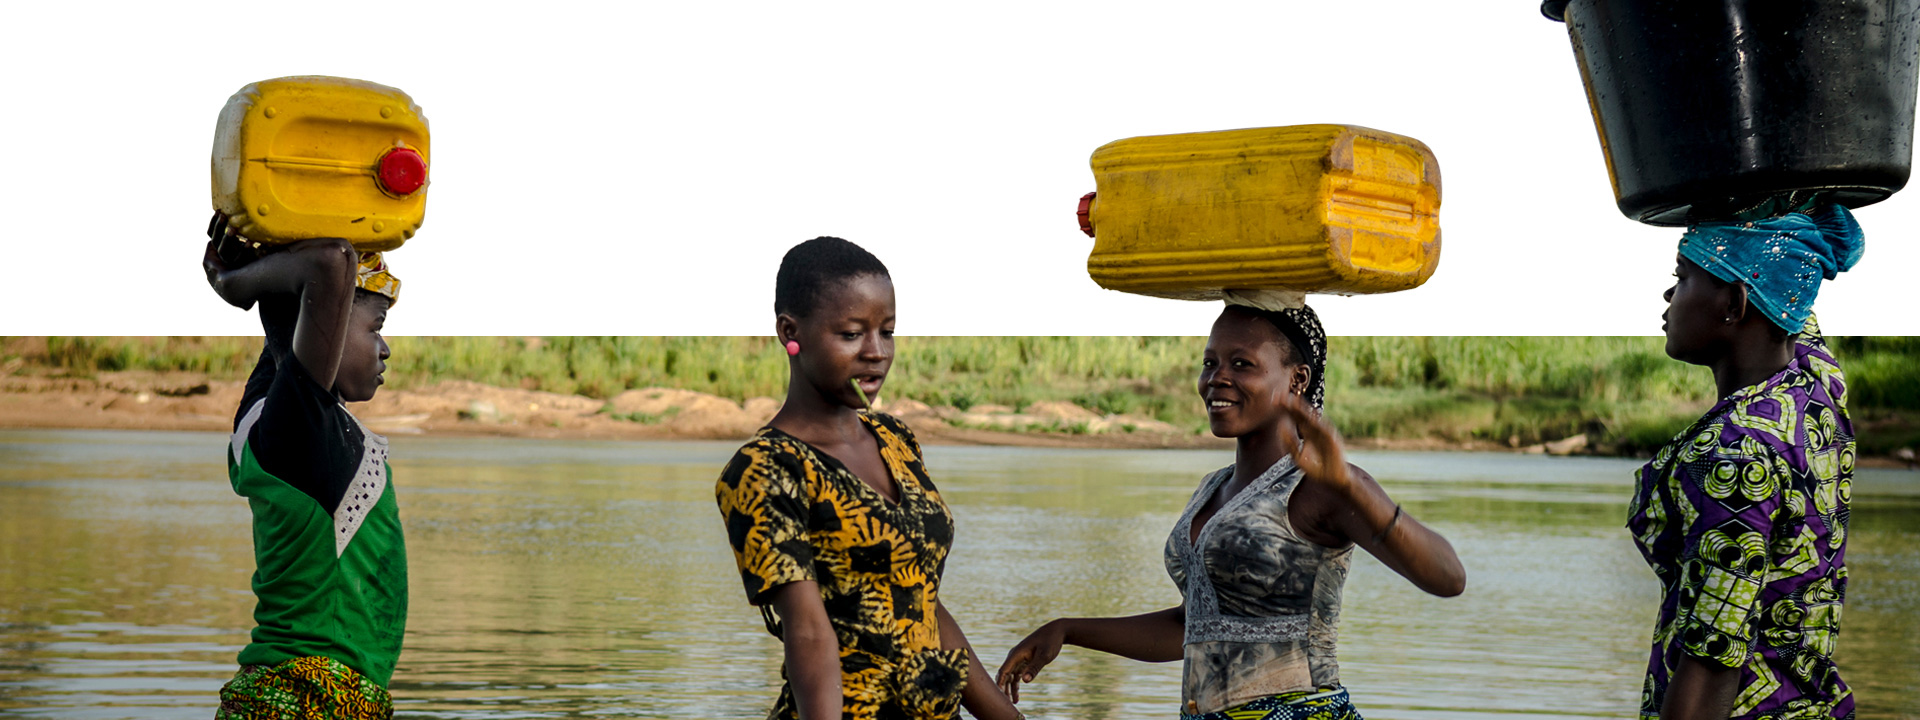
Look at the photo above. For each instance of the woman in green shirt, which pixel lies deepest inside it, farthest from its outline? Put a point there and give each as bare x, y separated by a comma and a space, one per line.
331, 577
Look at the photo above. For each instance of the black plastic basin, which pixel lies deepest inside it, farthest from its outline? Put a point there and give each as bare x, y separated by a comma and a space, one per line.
1707, 108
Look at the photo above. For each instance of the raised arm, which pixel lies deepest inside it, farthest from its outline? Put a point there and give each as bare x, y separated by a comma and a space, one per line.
812, 651
318, 273
1157, 636
1356, 509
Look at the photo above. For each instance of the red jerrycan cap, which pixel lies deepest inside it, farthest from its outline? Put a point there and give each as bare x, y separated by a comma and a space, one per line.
1086, 219
402, 171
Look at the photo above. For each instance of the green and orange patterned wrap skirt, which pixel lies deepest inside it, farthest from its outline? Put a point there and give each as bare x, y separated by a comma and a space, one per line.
307, 688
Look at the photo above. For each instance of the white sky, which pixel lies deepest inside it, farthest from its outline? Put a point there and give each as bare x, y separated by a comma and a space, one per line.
638, 169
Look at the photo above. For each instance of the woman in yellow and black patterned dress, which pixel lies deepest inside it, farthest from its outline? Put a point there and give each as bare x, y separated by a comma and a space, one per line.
839, 534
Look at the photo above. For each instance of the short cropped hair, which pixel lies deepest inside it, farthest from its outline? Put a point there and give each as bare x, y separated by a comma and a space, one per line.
813, 267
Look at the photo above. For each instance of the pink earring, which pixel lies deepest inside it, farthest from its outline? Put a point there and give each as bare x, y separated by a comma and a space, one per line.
793, 348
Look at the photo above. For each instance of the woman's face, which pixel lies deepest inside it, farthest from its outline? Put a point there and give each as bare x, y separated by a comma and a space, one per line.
1244, 375
848, 336
1696, 318
364, 355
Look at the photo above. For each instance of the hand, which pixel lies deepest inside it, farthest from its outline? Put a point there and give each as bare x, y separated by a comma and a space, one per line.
211, 262
1318, 451
225, 253
242, 274
1025, 660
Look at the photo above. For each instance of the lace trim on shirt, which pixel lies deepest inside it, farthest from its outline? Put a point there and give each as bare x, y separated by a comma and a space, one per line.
1228, 628
369, 481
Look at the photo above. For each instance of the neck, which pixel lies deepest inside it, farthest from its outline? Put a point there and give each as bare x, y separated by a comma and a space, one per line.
808, 410
1255, 452
1755, 356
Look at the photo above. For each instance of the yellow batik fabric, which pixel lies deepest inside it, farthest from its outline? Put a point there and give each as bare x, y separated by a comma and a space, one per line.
795, 514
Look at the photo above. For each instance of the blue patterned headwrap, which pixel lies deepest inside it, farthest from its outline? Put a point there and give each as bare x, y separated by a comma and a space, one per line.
1781, 260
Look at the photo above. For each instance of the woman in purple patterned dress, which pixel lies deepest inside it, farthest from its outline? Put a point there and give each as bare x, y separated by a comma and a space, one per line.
1744, 515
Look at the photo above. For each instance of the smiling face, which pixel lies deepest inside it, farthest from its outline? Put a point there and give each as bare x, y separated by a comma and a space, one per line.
1698, 308
848, 336
1245, 373
363, 357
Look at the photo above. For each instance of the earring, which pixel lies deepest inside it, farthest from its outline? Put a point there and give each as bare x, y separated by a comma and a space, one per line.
793, 348
1728, 320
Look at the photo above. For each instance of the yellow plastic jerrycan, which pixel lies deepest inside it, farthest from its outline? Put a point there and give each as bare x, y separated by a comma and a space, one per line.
315, 156
1273, 212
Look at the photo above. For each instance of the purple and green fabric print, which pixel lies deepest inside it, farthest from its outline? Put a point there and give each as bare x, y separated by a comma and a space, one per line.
1744, 519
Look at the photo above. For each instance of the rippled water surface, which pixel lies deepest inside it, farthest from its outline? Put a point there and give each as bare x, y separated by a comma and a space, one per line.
592, 579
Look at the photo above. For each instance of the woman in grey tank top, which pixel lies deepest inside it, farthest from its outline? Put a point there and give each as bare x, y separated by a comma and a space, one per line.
1261, 552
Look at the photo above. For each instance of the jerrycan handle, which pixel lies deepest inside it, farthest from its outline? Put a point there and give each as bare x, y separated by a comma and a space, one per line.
1085, 214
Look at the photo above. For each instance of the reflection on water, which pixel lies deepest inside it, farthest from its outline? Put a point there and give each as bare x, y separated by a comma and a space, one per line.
563, 579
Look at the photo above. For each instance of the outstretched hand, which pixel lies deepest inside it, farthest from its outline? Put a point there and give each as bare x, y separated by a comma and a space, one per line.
1025, 660
1317, 451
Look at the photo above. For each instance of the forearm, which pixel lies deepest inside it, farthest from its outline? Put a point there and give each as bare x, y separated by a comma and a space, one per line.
1700, 691
1407, 546
288, 272
1424, 557
1158, 636
981, 696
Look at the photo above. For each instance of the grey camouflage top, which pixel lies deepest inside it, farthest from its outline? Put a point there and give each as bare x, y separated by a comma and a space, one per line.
1261, 618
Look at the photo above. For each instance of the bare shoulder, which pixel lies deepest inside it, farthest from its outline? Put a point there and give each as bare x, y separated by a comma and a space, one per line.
1363, 482
1360, 474
1319, 493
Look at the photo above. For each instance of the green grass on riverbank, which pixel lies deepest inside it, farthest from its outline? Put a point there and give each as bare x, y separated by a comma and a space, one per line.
1622, 391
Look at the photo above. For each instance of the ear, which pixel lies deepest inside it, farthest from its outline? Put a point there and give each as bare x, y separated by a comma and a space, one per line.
785, 328
1737, 302
1301, 380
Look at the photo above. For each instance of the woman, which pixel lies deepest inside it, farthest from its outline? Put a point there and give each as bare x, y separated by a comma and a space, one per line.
1743, 515
1262, 550
838, 532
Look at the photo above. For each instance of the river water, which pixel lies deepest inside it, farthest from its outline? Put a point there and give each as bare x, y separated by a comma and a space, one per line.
592, 579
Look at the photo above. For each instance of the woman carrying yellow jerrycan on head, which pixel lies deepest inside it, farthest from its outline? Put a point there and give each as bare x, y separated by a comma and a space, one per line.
1261, 552
1261, 217
311, 178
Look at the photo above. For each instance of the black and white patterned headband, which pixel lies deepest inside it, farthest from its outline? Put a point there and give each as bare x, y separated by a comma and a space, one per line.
1301, 326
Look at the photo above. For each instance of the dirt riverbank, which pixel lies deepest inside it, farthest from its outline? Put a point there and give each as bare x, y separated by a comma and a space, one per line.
139, 400
189, 401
